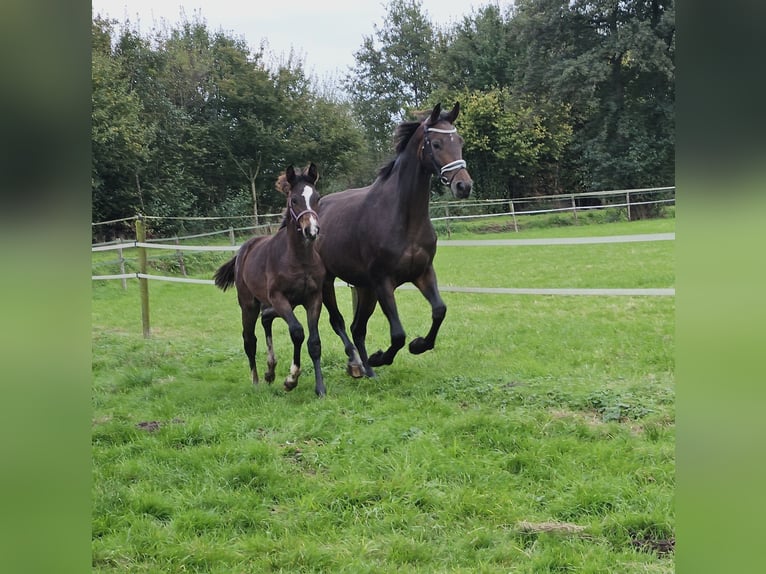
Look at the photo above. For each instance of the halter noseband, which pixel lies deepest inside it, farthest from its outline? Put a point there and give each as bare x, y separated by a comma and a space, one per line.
455, 166
301, 214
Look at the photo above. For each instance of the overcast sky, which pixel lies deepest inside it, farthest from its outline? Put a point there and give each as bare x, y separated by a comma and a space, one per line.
323, 33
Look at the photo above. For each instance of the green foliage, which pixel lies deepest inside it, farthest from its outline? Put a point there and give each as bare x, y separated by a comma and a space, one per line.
392, 73
613, 63
508, 140
556, 96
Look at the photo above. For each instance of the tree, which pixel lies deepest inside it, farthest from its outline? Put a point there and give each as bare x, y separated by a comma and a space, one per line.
478, 53
120, 138
393, 71
510, 145
612, 61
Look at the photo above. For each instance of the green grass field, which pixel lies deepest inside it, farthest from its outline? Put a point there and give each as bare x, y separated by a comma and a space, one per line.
538, 436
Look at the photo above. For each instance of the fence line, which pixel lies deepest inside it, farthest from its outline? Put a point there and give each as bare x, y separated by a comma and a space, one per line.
445, 242
654, 292
445, 206
560, 240
144, 277
554, 210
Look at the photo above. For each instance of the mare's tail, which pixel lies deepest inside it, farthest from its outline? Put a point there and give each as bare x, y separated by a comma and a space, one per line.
224, 277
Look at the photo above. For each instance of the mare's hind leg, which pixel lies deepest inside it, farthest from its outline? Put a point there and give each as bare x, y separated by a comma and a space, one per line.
355, 366
428, 287
385, 295
267, 318
250, 310
364, 305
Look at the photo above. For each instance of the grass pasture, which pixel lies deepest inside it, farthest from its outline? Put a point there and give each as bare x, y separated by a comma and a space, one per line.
537, 437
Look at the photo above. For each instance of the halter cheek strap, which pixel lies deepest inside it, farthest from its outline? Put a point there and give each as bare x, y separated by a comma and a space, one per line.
456, 165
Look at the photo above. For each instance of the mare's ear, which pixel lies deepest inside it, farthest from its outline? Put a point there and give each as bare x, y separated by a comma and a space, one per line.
313, 173
435, 114
452, 116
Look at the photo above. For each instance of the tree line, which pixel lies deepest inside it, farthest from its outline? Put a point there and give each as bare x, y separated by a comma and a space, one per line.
556, 96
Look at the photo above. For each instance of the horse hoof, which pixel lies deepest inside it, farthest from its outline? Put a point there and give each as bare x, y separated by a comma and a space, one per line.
418, 346
269, 377
355, 370
376, 359
290, 385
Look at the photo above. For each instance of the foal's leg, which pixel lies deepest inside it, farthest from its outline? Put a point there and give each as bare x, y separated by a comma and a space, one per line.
283, 308
354, 367
267, 318
250, 310
385, 294
363, 308
428, 287
313, 310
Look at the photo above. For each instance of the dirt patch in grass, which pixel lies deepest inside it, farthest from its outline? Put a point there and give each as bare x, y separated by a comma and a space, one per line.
658, 545
151, 426
558, 527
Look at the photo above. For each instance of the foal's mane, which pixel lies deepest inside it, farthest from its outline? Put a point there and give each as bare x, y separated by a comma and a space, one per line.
402, 135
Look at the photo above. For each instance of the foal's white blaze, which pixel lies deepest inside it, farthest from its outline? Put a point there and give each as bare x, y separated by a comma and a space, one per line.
308, 191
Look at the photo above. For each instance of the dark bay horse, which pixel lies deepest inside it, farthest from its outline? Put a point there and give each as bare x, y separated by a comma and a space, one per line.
382, 235
275, 274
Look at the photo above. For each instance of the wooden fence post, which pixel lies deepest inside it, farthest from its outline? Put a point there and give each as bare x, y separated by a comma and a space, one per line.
574, 208
231, 237
180, 255
446, 214
143, 283
122, 267
513, 214
627, 200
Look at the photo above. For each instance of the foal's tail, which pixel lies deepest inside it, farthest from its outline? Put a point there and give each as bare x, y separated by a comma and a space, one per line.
224, 277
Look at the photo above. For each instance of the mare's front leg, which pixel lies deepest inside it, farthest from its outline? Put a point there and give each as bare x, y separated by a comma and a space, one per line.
355, 366
283, 308
428, 287
385, 295
313, 310
267, 318
250, 309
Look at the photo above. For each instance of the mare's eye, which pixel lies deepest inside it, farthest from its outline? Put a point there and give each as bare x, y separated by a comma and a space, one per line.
437, 145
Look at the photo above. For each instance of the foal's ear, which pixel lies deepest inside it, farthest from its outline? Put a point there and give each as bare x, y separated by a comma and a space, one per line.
435, 114
284, 181
452, 116
290, 174
313, 174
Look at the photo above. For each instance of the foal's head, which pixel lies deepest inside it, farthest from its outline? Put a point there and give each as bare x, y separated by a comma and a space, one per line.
302, 200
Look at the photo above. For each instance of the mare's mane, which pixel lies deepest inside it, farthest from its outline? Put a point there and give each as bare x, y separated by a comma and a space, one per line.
402, 135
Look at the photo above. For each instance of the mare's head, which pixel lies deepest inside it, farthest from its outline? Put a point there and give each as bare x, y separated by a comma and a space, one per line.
441, 151
302, 200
